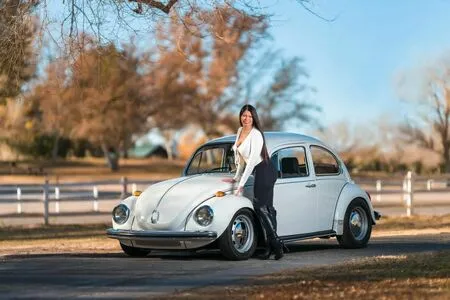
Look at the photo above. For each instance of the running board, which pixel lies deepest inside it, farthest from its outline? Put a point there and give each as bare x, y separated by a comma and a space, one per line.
318, 234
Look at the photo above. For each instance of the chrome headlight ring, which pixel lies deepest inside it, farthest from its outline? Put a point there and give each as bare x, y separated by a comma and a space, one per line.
120, 214
204, 215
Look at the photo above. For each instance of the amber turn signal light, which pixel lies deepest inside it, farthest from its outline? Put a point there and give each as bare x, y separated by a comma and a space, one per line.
137, 193
220, 194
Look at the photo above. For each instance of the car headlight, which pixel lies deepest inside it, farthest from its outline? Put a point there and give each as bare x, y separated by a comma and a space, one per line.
120, 213
204, 215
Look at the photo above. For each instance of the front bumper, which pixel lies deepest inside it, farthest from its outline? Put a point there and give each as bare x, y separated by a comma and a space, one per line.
163, 239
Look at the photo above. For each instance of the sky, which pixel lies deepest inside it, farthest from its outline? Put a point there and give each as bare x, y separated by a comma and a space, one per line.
354, 59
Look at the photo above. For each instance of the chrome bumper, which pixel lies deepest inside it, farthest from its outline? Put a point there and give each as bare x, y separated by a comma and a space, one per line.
149, 236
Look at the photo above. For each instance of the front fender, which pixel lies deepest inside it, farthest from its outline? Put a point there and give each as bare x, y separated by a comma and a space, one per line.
224, 209
349, 192
130, 202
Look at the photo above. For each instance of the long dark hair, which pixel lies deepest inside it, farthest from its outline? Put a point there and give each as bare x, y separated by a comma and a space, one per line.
257, 125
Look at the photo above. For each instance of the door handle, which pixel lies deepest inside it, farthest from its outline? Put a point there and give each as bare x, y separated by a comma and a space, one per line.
311, 185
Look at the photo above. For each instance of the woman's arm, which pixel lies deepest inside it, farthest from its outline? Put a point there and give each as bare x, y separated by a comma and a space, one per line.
256, 145
239, 167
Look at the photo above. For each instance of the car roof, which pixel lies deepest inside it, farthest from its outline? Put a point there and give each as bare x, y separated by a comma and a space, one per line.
274, 139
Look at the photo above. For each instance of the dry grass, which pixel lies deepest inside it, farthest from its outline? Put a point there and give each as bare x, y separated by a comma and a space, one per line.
90, 169
419, 276
414, 222
42, 239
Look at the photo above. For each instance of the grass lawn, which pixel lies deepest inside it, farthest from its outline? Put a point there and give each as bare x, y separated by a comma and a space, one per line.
418, 276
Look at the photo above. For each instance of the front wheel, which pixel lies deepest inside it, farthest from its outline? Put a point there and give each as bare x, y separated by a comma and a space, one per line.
239, 240
357, 225
133, 251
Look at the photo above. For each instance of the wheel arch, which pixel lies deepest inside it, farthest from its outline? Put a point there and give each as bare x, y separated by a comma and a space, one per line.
349, 193
224, 210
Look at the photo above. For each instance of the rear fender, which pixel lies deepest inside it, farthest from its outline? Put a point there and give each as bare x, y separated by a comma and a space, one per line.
349, 192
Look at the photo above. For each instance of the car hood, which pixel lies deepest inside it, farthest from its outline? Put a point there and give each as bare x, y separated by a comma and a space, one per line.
170, 202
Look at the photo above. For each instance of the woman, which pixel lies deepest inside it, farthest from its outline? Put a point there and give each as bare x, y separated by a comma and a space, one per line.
250, 148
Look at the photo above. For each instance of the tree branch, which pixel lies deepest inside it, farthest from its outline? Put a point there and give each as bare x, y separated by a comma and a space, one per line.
156, 4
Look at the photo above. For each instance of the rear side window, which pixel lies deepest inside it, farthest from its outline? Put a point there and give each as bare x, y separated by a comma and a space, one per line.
291, 162
324, 161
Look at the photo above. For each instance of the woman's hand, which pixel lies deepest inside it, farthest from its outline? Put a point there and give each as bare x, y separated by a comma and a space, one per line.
229, 180
239, 191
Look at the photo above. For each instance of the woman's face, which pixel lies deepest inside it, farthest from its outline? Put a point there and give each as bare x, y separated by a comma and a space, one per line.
247, 119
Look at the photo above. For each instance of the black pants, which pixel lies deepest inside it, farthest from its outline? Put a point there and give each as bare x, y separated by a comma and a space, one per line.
265, 177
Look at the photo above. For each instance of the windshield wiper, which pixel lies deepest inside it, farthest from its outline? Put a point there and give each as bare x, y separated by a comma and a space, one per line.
216, 169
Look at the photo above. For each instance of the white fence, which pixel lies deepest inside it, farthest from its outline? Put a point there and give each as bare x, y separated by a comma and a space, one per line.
26, 194
408, 193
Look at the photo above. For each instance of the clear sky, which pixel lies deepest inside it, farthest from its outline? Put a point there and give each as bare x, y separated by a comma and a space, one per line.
353, 60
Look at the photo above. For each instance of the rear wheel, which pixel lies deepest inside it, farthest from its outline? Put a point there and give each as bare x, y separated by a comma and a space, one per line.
239, 240
357, 225
133, 251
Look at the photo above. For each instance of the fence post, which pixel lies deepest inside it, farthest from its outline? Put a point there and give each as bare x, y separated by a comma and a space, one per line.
57, 200
19, 200
378, 188
45, 200
95, 194
429, 184
124, 183
409, 193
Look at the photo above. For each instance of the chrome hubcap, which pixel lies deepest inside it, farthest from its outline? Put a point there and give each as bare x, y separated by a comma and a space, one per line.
358, 223
242, 233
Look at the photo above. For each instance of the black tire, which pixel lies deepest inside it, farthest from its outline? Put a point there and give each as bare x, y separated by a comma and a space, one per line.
239, 240
358, 234
133, 251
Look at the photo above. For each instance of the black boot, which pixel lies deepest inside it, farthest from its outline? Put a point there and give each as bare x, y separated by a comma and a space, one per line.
277, 246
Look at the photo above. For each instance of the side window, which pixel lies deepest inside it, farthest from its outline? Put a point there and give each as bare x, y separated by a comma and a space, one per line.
291, 162
324, 162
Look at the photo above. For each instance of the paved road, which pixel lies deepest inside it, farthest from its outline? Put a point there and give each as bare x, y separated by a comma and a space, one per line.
117, 276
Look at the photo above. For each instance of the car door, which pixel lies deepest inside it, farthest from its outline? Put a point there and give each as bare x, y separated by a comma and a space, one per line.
329, 182
294, 192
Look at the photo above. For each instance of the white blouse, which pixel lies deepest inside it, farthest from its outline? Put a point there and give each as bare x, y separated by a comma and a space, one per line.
249, 151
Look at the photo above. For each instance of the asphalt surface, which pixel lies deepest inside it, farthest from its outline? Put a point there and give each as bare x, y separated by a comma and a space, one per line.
114, 275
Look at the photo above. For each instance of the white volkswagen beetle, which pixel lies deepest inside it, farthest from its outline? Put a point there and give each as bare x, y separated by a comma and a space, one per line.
314, 197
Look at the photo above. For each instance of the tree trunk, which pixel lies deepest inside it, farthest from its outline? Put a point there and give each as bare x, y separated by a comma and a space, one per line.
168, 142
112, 158
55, 146
446, 158
168, 145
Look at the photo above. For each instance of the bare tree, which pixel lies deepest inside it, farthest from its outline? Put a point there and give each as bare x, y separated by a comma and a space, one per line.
49, 103
429, 89
195, 72
17, 55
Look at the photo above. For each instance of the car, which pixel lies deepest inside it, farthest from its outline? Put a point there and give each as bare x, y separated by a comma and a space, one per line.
314, 196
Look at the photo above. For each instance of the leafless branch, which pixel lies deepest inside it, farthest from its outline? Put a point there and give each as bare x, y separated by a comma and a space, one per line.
156, 4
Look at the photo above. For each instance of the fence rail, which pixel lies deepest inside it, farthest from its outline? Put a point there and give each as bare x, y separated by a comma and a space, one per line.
57, 193
385, 193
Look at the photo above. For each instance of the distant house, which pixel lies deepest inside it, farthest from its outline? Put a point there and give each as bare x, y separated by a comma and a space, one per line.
147, 150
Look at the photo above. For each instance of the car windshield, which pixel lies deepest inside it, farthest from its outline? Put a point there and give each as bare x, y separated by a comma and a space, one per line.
217, 158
